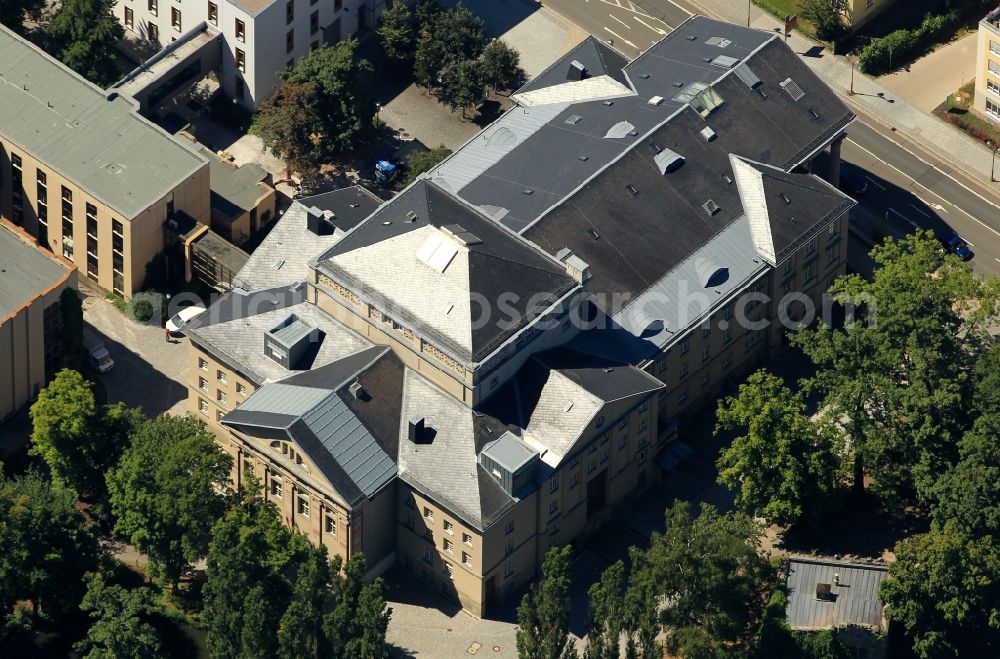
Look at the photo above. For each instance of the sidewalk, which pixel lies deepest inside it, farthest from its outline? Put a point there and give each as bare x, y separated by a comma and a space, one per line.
870, 97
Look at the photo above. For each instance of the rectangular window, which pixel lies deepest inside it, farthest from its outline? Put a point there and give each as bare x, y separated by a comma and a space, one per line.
508, 547
684, 346
705, 354
428, 514
92, 266
240, 89
213, 13
203, 407
508, 569
509, 528
289, 12
428, 555
275, 486
449, 546
241, 60
727, 360
467, 539
554, 483
314, 26
153, 8
175, 18
220, 376
605, 455
448, 527
92, 226
241, 31
290, 41
574, 479
129, 18
16, 162
202, 364
553, 508
450, 571
994, 47
304, 506
153, 31
684, 370
704, 377
241, 388
993, 67
203, 384
466, 559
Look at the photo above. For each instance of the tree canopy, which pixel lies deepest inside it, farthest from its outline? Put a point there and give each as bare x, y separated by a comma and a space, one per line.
44, 547
167, 492
828, 16
120, 626
446, 39
79, 439
14, 12
543, 615
418, 162
786, 465
397, 31
318, 110
84, 35
501, 65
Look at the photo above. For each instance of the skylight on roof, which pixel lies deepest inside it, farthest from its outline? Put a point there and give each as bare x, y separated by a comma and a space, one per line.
792, 88
725, 61
437, 252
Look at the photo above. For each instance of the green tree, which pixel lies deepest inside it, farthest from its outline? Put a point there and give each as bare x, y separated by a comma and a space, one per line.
944, 590
78, 439
418, 162
14, 12
166, 493
320, 110
695, 643
823, 645
543, 615
300, 632
969, 494
427, 11
462, 85
501, 65
71, 311
901, 382
357, 623
606, 618
446, 39
429, 60
120, 626
828, 17
785, 466
709, 571
397, 31
44, 547
84, 35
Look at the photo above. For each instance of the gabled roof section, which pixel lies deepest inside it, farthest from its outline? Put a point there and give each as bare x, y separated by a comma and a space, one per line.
311, 411
427, 259
784, 209
598, 58
28, 270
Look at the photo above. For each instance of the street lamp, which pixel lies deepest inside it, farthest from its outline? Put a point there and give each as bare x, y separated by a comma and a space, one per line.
993, 162
748, 12
853, 63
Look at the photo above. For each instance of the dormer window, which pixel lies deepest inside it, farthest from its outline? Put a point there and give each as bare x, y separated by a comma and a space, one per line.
288, 450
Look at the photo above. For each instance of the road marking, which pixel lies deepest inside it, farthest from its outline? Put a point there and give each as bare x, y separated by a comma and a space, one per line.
619, 37
875, 183
885, 162
912, 223
654, 29
615, 18
996, 259
919, 211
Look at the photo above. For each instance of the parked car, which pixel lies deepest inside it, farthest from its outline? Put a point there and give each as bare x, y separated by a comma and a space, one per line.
175, 325
954, 244
98, 357
852, 180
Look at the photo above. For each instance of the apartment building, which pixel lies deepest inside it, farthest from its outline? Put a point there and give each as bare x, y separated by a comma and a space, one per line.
30, 319
496, 360
261, 38
987, 99
82, 172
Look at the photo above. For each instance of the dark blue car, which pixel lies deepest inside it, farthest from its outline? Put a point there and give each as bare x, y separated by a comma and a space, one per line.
957, 246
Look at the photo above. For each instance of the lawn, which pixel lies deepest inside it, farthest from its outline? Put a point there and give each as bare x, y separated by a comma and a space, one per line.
782, 8
956, 110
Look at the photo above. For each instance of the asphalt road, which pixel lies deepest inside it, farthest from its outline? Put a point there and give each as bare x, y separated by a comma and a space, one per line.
631, 26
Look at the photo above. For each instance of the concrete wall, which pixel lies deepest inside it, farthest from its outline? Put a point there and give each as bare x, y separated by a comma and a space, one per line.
22, 347
142, 236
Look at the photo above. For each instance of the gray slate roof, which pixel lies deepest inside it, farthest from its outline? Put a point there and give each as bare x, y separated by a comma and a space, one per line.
71, 125
856, 603
25, 271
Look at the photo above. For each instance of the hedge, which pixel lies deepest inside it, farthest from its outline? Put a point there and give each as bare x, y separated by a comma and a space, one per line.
904, 46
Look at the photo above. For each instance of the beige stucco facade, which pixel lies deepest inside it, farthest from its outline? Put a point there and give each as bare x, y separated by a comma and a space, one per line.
860, 12
987, 99
105, 245
30, 336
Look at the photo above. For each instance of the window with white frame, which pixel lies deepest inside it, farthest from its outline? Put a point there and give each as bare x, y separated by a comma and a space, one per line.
993, 87
331, 525
467, 539
466, 559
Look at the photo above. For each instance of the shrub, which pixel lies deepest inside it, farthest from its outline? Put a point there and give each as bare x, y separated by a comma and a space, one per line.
142, 310
905, 45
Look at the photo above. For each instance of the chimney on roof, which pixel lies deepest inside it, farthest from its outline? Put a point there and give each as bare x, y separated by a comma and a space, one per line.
577, 71
318, 223
576, 267
357, 391
415, 429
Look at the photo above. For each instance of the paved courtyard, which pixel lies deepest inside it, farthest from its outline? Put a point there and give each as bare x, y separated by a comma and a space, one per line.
928, 81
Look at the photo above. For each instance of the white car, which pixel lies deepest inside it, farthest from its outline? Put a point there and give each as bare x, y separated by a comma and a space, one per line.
177, 322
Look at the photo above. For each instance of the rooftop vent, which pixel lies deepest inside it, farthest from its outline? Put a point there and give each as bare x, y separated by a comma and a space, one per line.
654, 147
763, 94
644, 76
792, 88
708, 133
691, 37
411, 216
290, 341
784, 198
317, 223
668, 161
677, 83
619, 130
814, 114
574, 119
416, 430
527, 191
583, 158
655, 100
725, 61
577, 71
749, 78
461, 235
593, 234
728, 179
720, 42
576, 267
711, 207
608, 103
358, 391
631, 188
